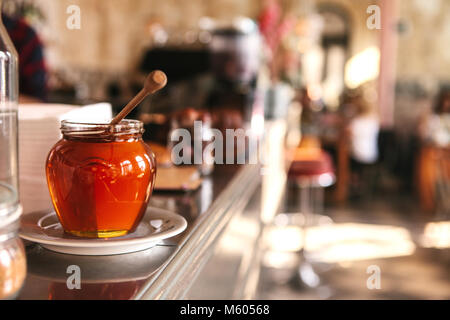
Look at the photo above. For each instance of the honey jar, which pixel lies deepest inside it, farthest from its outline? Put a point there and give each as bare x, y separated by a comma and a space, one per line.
100, 178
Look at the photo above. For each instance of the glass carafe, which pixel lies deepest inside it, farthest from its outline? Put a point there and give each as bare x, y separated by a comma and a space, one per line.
9, 198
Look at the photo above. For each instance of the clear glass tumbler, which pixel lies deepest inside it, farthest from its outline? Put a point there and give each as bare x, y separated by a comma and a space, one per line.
9, 198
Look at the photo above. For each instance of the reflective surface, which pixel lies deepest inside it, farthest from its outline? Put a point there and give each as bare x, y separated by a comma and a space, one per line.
127, 275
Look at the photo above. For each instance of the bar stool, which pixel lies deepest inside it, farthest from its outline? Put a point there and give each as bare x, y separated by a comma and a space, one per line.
311, 171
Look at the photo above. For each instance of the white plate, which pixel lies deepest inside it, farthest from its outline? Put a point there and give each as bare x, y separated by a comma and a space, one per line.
45, 229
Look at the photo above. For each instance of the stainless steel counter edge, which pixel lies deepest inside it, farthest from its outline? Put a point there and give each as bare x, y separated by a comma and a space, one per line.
175, 277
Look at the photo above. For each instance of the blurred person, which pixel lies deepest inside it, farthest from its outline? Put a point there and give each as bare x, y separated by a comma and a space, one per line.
32, 68
435, 127
311, 111
432, 162
362, 128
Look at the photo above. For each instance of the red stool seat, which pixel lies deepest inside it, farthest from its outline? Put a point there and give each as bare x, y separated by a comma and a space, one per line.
316, 166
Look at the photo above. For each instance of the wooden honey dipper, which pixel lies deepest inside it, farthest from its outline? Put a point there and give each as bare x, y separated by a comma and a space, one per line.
155, 81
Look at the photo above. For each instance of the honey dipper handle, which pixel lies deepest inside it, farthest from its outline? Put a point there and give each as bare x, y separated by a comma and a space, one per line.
155, 81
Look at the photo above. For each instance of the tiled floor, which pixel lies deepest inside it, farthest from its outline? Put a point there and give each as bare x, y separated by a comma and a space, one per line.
421, 273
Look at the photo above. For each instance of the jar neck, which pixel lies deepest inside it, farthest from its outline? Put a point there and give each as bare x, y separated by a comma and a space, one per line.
125, 131
104, 138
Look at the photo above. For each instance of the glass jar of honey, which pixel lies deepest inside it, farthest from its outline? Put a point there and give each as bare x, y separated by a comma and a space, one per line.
100, 178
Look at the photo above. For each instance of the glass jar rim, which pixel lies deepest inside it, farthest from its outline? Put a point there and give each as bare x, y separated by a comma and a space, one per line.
77, 128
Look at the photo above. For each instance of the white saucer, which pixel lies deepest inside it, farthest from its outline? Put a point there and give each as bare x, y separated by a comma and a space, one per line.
45, 229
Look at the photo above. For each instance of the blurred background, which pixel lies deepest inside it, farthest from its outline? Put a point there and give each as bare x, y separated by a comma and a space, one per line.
367, 82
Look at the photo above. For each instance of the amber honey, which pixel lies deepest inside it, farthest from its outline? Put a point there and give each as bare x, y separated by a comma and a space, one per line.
100, 182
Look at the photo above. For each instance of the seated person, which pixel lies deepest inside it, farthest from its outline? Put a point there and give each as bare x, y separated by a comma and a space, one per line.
433, 164
32, 69
311, 112
363, 128
435, 127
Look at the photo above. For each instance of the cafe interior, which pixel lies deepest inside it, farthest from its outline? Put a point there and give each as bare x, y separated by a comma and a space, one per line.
331, 179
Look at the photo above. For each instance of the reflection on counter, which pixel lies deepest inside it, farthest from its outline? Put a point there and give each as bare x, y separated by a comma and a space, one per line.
90, 277
95, 291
